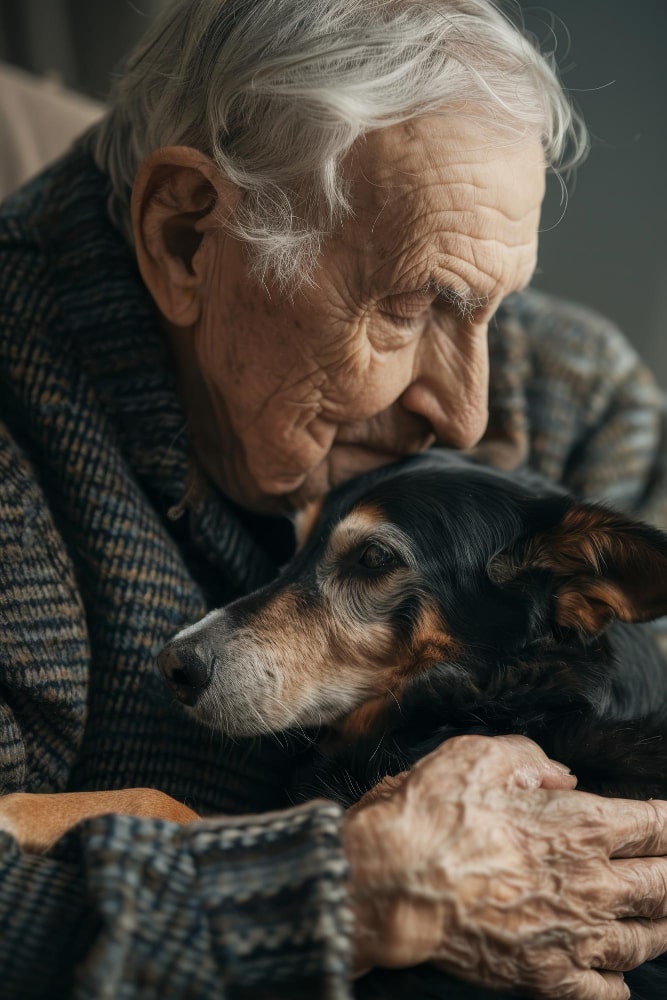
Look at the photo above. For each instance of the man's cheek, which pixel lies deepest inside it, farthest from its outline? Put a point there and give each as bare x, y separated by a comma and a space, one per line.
280, 459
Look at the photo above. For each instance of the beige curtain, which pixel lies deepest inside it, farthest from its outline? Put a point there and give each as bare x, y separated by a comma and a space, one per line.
38, 121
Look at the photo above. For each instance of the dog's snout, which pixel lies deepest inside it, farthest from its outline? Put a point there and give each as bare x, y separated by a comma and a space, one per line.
186, 668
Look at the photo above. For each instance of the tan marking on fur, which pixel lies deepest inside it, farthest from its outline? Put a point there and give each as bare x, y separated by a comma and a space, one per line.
589, 539
431, 641
610, 569
324, 664
584, 539
355, 527
305, 520
430, 644
38, 821
314, 672
590, 605
367, 720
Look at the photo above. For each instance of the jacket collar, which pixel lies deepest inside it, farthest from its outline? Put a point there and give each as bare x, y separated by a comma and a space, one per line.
113, 322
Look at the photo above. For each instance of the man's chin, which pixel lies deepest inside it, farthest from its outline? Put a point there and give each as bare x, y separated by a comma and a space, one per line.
342, 463
276, 501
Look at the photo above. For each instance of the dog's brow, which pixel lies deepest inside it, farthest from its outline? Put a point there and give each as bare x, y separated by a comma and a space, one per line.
365, 524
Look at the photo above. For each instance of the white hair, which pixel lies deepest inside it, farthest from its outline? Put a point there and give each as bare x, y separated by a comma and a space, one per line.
277, 92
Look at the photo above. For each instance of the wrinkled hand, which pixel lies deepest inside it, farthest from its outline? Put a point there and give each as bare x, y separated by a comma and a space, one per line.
485, 860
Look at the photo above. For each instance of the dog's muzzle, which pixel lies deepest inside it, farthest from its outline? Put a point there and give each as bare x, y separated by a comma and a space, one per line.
187, 667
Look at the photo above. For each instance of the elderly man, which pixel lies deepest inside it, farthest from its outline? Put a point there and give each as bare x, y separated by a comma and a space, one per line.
279, 261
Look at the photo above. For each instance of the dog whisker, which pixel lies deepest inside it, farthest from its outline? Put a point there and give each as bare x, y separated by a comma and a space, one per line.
379, 744
398, 704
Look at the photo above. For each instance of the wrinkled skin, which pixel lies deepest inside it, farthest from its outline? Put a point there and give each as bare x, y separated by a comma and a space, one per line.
288, 396
485, 860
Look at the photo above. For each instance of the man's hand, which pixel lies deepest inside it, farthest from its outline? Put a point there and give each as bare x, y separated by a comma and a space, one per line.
485, 860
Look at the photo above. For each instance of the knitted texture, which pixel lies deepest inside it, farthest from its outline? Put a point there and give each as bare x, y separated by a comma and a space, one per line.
95, 577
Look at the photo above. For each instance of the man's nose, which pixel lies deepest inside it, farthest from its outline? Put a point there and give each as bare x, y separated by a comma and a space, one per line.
187, 667
450, 387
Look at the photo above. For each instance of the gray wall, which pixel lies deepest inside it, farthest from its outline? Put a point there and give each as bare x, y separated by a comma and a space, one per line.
607, 251
79, 41
610, 249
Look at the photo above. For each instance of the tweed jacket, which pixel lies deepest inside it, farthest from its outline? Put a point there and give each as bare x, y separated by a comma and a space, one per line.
95, 576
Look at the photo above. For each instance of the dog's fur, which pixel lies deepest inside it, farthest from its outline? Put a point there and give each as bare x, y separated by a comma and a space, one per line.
439, 597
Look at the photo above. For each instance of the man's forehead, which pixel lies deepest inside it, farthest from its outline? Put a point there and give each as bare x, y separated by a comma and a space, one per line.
429, 156
441, 174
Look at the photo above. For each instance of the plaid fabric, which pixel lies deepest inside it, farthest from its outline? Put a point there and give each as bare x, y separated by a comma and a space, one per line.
95, 577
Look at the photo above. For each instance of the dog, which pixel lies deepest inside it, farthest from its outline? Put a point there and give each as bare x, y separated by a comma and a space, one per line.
428, 599
438, 597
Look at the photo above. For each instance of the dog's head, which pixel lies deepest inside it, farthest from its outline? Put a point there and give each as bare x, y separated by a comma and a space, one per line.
433, 561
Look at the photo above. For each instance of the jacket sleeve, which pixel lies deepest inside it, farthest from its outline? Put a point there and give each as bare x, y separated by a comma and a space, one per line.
126, 908
251, 907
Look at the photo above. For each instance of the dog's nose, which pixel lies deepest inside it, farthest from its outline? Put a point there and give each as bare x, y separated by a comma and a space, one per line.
186, 669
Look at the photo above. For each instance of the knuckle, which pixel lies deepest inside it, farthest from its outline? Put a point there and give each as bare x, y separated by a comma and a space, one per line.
655, 821
612, 900
651, 889
651, 940
562, 987
581, 821
648, 822
459, 755
519, 749
631, 952
550, 965
470, 742
625, 950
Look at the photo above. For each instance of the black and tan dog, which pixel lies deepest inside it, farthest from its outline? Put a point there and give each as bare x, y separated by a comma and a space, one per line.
436, 597
439, 597
432, 598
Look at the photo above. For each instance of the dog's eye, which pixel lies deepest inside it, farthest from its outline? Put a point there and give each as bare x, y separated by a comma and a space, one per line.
377, 556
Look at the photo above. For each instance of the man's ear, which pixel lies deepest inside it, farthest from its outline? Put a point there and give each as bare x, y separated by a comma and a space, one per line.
604, 566
180, 200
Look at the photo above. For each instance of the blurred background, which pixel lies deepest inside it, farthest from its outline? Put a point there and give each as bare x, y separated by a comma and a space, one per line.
607, 250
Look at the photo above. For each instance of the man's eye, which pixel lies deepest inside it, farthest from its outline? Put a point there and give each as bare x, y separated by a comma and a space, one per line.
377, 556
403, 320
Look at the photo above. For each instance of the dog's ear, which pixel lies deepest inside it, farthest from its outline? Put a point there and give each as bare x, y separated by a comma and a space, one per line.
603, 566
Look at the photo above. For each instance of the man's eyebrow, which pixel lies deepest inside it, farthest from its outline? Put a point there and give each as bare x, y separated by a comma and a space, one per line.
466, 302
